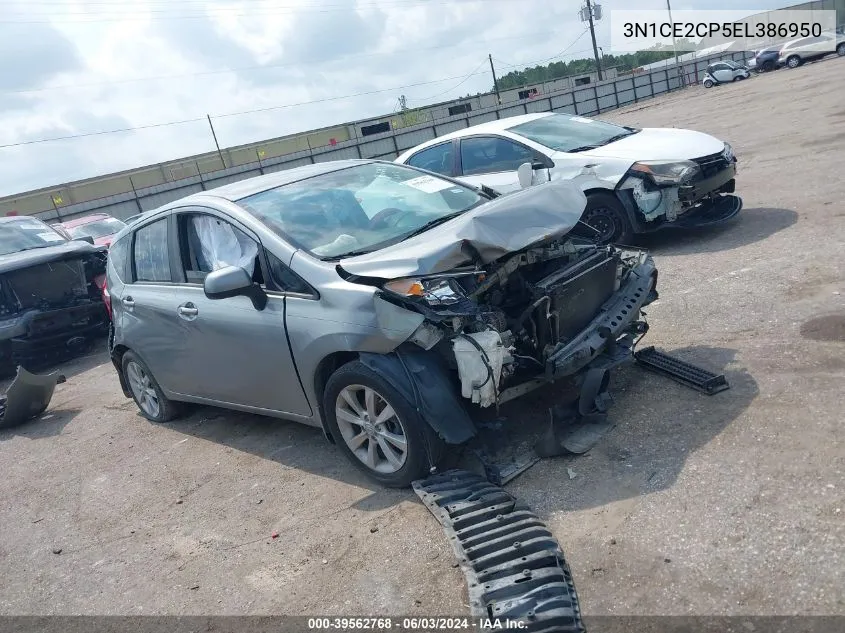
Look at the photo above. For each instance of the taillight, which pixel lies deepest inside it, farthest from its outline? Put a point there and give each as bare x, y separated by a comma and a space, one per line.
100, 281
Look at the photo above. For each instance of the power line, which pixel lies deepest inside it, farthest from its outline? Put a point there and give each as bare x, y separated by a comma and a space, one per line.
260, 67
229, 114
462, 81
227, 12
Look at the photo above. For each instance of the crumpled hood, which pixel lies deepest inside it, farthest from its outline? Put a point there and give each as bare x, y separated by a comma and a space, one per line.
659, 143
32, 257
494, 229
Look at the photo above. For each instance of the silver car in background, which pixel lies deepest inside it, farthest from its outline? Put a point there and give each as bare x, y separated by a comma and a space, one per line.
376, 301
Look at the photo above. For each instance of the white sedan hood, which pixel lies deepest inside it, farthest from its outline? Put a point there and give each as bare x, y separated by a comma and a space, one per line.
659, 143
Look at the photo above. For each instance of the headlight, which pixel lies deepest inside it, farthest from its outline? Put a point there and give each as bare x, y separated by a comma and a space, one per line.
664, 172
728, 153
435, 292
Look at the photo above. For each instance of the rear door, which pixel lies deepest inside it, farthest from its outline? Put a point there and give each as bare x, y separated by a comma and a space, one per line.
493, 161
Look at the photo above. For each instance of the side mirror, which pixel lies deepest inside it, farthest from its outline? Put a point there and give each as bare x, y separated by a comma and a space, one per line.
234, 281
84, 238
525, 174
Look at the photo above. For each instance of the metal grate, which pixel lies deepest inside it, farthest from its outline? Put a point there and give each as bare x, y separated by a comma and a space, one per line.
682, 371
514, 567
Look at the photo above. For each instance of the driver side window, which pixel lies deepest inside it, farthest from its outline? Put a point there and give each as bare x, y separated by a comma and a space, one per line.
208, 243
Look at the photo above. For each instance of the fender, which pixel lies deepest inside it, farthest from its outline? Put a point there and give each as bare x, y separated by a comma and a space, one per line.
420, 377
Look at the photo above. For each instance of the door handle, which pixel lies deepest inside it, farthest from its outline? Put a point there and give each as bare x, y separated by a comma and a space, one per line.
129, 302
188, 310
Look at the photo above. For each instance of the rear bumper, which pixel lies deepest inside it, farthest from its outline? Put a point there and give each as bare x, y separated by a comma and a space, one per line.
617, 319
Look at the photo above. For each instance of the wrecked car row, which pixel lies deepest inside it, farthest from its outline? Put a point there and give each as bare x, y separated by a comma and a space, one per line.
384, 304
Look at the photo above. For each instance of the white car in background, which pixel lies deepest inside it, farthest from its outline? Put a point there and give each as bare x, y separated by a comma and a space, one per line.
807, 49
636, 180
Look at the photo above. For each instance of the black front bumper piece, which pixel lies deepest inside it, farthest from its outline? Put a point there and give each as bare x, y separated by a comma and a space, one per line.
514, 567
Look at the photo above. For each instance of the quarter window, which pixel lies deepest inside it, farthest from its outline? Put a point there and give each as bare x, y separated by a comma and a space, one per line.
490, 154
151, 257
437, 159
118, 252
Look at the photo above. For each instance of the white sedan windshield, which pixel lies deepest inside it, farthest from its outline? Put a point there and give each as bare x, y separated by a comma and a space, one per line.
567, 133
358, 209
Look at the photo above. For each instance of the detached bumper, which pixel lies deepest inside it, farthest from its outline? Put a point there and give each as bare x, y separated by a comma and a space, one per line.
617, 318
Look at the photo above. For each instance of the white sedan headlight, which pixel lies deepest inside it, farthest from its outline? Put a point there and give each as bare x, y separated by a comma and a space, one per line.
668, 172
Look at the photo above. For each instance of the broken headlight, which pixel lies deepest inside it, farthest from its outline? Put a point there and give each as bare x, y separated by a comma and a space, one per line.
665, 172
435, 292
728, 153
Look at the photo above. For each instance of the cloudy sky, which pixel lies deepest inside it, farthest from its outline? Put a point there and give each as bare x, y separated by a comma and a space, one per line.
80, 67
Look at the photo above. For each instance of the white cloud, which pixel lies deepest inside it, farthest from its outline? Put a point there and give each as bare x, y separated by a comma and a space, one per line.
83, 63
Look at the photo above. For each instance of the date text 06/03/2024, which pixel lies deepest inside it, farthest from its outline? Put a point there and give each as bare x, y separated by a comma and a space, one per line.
413, 624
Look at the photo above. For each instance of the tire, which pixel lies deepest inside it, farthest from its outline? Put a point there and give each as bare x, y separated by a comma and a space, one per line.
141, 381
793, 62
840, 50
350, 385
708, 83
606, 214
767, 66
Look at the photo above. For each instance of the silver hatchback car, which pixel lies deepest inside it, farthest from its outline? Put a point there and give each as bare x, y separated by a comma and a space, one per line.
379, 302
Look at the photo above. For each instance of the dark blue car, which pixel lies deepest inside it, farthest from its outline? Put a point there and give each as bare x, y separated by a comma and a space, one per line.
766, 59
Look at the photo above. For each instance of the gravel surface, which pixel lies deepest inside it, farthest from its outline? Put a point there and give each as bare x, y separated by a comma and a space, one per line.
730, 504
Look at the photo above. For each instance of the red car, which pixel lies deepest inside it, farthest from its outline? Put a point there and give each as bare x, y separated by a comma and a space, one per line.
101, 227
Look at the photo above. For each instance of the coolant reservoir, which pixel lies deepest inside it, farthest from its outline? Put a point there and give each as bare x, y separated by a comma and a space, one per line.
472, 368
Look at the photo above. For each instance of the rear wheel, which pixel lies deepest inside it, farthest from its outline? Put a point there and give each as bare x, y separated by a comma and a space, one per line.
767, 66
607, 216
146, 392
794, 61
840, 50
377, 429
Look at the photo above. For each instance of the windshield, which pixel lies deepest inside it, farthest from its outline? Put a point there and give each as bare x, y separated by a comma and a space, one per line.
567, 133
358, 209
97, 228
26, 234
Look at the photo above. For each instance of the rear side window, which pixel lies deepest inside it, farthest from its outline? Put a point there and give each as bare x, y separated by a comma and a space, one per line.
438, 159
151, 257
118, 252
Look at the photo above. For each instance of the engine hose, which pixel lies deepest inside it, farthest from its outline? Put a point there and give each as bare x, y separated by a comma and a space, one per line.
521, 318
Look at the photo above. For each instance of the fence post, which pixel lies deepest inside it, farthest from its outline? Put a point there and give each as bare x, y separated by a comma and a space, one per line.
135, 193
596, 97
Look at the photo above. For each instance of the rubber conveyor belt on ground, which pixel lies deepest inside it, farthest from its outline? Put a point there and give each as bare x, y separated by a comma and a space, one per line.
681, 371
514, 567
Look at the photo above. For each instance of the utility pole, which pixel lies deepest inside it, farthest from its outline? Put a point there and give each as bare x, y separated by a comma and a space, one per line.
593, 35
674, 45
495, 81
216, 144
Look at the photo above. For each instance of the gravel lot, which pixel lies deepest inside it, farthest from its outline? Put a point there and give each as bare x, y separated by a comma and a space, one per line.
730, 504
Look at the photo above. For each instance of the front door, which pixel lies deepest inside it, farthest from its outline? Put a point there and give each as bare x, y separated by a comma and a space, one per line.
493, 161
229, 351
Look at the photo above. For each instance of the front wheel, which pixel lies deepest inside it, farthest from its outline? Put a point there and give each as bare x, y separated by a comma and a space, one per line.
377, 429
794, 61
606, 215
840, 50
708, 83
767, 66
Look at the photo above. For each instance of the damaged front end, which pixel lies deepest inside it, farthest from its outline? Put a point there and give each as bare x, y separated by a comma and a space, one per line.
681, 194
545, 313
51, 304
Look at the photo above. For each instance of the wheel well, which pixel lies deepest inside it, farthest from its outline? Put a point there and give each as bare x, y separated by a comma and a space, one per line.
589, 192
117, 353
325, 369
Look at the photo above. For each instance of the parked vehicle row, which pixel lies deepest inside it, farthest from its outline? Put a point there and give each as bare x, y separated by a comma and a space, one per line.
796, 52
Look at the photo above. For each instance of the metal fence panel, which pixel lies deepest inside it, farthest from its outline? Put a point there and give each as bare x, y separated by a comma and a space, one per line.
450, 126
407, 140
375, 148
539, 105
156, 200
482, 118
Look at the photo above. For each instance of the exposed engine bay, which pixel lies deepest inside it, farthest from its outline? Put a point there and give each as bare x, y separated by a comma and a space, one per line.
546, 312
51, 306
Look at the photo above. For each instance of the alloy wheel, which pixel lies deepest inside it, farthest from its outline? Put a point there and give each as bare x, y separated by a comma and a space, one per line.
142, 389
371, 429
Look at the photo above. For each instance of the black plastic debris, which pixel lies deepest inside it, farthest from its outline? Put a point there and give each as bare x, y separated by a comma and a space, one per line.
681, 371
27, 397
514, 567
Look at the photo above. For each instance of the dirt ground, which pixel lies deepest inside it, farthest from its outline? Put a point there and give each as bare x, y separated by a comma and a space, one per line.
730, 504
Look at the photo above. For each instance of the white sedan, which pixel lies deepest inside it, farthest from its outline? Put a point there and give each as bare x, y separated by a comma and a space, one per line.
637, 180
